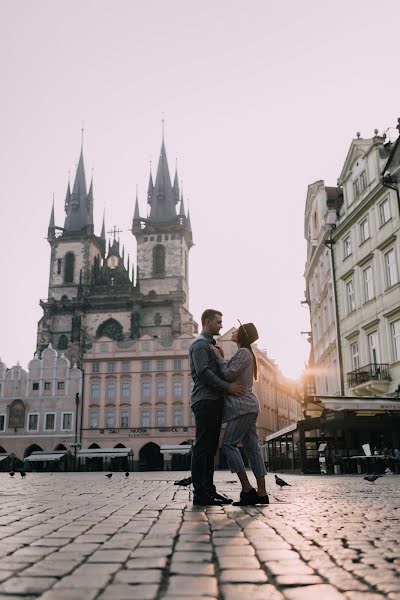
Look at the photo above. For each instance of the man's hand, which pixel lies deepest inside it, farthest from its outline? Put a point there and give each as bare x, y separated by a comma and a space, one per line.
237, 389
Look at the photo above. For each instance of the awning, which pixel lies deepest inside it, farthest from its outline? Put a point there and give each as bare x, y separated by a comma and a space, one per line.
175, 449
287, 429
44, 457
105, 452
377, 405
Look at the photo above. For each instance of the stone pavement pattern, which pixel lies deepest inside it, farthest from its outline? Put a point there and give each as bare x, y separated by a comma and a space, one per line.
80, 536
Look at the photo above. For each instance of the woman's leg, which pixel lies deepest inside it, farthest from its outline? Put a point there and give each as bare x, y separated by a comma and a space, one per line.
253, 452
235, 429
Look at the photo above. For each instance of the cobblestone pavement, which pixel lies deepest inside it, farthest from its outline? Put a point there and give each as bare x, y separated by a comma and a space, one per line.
82, 537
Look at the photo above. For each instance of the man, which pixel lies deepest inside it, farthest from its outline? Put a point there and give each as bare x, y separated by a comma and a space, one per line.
207, 402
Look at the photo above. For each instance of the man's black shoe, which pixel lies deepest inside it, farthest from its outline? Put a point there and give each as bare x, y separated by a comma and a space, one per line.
206, 501
222, 498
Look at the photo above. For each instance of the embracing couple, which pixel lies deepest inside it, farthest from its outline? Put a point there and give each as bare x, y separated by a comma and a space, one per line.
222, 391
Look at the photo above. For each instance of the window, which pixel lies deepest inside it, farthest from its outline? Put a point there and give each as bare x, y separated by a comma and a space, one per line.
2, 422
60, 385
363, 181
356, 189
62, 342
373, 344
177, 389
110, 418
111, 367
160, 364
355, 356
368, 284
145, 418
35, 386
67, 421
126, 365
160, 390
159, 260
94, 391
96, 367
395, 335
59, 263
177, 364
93, 419
111, 391
390, 268
69, 267
47, 385
33, 422
146, 346
145, 365
364, 231
177, 416
350, 297
160, 417
347, 246
124, 418
146, 390
50, 421
125, 389
384, 212
103, 347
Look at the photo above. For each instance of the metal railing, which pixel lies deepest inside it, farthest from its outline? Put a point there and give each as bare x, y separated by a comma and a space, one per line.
373, 371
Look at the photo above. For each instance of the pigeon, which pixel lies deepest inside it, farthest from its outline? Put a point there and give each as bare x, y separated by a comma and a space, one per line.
186, 481
372, 478
23, 474
281, 482
231, 481
109, 475
127, 474
12, 473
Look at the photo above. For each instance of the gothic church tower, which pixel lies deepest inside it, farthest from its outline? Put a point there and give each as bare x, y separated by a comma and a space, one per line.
164, 240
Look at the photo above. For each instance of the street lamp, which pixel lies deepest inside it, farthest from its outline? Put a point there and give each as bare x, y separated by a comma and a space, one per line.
76, 430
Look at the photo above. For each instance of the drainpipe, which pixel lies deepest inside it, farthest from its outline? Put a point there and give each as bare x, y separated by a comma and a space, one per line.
329, 244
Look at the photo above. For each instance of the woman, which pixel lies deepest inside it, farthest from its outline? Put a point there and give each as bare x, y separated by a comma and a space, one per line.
240, 414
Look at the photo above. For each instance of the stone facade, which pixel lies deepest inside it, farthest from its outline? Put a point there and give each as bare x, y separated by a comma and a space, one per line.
38, 406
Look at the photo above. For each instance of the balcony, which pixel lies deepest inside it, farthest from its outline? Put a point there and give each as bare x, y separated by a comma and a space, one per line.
370, 380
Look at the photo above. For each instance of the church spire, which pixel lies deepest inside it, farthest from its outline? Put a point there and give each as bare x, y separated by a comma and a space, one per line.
176, 185
182, 207
103, 227
79, 204
52, 222
162, 201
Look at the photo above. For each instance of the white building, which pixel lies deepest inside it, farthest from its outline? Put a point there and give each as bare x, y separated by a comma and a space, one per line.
366, 255
322, 205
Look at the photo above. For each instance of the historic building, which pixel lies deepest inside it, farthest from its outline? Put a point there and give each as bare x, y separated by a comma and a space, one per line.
366, 253
93, 292
322, 207
38, 406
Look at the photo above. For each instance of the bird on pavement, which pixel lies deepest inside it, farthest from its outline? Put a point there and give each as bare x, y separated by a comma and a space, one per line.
281, 482
23, 474
372, 478
186, 481
12, 473
109, 475
127, 474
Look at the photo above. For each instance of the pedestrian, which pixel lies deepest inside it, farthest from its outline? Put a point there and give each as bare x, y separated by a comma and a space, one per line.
240, 414
207, 402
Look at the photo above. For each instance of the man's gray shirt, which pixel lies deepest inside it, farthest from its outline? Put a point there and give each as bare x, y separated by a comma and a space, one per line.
205, 371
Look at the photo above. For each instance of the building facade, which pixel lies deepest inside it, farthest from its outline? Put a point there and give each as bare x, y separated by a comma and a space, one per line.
322, 207
38, 406
366, 254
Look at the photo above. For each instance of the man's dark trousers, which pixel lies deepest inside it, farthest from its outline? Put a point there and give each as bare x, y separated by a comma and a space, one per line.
208, 417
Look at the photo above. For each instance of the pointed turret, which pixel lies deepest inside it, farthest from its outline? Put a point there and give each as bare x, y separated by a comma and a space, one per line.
176, 186
188, 223
103, 228
67, 197
51, 229
162, 200
150, 188
79, 204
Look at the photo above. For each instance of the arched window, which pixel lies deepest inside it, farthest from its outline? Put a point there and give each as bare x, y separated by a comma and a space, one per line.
110, 328
69, 267
62, 342
159, 260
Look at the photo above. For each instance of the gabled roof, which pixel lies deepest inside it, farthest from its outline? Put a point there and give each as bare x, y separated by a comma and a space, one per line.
359, 148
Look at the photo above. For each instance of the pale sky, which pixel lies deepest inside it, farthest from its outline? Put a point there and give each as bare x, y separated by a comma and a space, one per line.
260, 99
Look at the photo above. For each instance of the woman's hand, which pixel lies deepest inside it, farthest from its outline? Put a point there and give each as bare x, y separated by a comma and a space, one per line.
217, 351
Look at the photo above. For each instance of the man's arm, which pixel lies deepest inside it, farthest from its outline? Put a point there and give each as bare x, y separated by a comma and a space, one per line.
232, 369
200, 359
